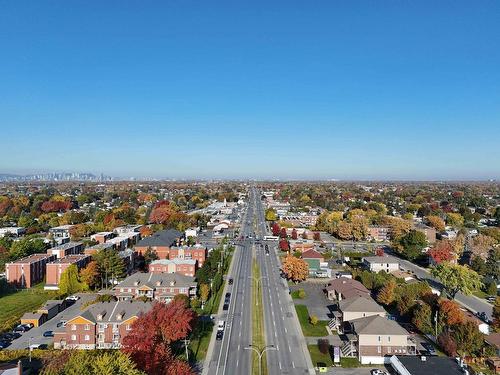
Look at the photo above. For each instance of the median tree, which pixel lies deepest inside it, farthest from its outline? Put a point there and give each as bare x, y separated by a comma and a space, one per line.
457, 278
295, 269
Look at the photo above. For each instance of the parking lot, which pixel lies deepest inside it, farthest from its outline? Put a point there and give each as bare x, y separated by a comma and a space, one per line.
35, 335
315, 300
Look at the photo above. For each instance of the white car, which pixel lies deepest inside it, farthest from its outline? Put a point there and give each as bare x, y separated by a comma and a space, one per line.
72, 298
376, 371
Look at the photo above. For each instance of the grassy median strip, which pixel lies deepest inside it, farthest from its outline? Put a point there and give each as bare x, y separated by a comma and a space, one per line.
258, 339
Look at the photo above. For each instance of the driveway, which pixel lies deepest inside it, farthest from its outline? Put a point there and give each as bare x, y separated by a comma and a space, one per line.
36, 333
316, 301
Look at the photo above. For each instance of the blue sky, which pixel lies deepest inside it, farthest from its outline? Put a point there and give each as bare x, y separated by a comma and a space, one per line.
281, 89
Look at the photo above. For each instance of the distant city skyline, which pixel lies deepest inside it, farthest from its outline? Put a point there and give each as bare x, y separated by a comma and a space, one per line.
282, 90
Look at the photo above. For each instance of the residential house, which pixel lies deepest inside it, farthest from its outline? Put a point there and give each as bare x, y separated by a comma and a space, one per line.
425, 365
28, 271
162, 287
314, 260
55, 269
354, 308
342, 287
186, 267
381, 263
60, 232
12, 231
160, 242
375, 338
100, 326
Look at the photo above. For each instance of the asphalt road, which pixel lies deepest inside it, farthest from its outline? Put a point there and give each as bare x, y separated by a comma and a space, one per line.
229, 355
281, 325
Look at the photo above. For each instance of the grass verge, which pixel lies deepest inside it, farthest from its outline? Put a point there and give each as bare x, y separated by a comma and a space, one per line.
319, 358
308, 329
258, 338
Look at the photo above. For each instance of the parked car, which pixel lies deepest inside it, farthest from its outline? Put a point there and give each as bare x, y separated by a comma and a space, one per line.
429, 348
62, 323
48, 334
72, 298
376, 371
230, 281
219, 335
491, 299
225, 307
21, 328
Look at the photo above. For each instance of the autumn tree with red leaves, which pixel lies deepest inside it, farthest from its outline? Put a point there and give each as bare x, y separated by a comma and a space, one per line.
294, 234
450, 313
276, 229
442, 251
149, 341
284, 245
283, 233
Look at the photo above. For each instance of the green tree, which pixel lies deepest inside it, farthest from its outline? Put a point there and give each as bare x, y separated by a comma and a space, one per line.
496, 315
26, 246
386, 294
491, 267
70, 282
468, 338
457, 278
422, 318
454, 219
412, 244
150, 255
110, 264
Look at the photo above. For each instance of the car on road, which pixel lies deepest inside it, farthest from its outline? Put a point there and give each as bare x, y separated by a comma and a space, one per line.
491, 299
228, 295
230, 281
72, 298
48, 334
219, 335
225, 307
429, 348
62, 323
377, 371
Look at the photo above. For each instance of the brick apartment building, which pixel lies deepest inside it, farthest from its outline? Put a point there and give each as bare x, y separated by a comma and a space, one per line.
379, 233
162, 287
160, 242
28, 271
69, 248
186, 267
102, 237
198, 253
91, 250
100, 326
56, 268
430, 233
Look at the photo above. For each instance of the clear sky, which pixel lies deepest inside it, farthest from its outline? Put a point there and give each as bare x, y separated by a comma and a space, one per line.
287, 89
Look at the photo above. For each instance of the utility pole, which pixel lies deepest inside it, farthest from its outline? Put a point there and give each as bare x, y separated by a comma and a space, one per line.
186, 343
436, 324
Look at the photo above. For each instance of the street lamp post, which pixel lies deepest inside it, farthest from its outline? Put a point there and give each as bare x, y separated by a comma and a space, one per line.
257, 280
260, 352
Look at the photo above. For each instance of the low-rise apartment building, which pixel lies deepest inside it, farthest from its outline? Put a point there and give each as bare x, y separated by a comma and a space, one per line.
91, 250
57, 267
343, 288
100, 326
355, 308
26, 272
60, 232
102, 237
186, 267
430, 233
162, 287
69, 248
12, 231
160, 242
379, 233
197, 253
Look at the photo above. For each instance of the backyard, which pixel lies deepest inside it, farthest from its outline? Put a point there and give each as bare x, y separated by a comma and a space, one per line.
309, 329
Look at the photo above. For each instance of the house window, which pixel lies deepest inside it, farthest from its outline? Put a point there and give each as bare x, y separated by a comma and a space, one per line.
379, 339
73, 337
389, 338
101, 327
87, 327
388, 349
379, 349
87, 337
128, 327
73, 327
121, 290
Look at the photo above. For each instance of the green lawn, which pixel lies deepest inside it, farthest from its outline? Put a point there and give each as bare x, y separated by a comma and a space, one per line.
14, 305
349, 362
258, 338
295, 294
307, 328
318, 357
